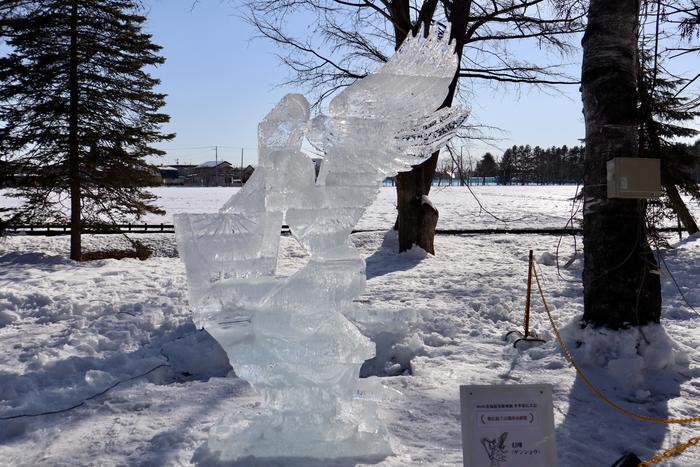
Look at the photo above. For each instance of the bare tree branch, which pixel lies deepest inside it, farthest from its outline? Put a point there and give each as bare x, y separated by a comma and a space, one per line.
347, 37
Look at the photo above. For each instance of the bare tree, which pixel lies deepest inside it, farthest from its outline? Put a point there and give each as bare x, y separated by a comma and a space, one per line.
444, 171
620, 280
350, 36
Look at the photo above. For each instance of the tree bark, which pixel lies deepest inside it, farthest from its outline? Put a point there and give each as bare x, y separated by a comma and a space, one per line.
620, 279
74, 150
416, 219
680, 208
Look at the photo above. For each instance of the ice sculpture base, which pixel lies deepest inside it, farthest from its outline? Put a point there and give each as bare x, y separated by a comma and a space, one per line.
270, 436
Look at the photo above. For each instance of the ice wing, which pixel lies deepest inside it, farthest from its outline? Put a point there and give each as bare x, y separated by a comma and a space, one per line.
390, 119
414, 82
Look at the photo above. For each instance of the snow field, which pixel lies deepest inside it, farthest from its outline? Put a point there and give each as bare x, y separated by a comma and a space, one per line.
71, 330
513, 206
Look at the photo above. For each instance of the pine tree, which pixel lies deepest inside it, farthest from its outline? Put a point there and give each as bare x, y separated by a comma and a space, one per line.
507, 166
487, 167
78, 110
662, 115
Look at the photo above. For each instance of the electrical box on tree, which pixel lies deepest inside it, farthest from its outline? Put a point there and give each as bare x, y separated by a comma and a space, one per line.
634, 178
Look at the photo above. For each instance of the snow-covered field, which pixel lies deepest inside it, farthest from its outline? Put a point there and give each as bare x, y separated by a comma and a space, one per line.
512, 207
520, 206
71, 331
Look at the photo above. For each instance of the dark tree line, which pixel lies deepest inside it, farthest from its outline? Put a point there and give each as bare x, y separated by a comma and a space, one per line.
556, 165
544, 166
519, 165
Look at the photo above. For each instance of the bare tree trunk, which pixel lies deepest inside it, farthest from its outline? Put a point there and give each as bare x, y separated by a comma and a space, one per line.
74, 153
680, 208
417, 220
619, 280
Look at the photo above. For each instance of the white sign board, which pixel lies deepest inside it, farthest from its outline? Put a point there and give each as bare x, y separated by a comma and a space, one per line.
508, 426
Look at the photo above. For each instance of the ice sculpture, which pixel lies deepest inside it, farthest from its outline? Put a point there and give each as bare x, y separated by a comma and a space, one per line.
288, 336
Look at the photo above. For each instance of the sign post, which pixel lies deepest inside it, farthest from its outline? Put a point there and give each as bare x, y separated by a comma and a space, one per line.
508, 426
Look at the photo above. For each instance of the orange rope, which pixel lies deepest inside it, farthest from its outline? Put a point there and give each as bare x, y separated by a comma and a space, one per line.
672, 452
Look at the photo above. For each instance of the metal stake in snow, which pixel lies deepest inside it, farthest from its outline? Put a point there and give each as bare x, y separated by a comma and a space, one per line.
526, 335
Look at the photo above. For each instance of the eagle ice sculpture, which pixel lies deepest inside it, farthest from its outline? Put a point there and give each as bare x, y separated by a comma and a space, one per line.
288, 336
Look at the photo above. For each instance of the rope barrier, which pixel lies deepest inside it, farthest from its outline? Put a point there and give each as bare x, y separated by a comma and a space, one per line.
676, 450
585, 379
672, 452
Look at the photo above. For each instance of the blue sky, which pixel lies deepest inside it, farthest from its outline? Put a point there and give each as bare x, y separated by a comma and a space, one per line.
220, 82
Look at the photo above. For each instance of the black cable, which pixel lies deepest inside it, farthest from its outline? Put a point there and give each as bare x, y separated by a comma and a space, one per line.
94, 396
482, 208
661, 258
673, 278
636, 305
575, 208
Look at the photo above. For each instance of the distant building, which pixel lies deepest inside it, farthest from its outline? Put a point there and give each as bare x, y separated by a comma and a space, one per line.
7, 173
170, 176
245, 174
185, 172
12, 173
214, 173
177, 175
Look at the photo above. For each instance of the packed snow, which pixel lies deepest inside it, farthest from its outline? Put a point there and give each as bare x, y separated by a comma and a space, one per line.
102, 364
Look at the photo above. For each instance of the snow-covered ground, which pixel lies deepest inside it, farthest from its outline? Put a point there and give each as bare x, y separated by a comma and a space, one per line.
69, 331
512, 207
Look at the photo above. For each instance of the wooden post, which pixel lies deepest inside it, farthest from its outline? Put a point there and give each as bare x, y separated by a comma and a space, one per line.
526, 335
527, 297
